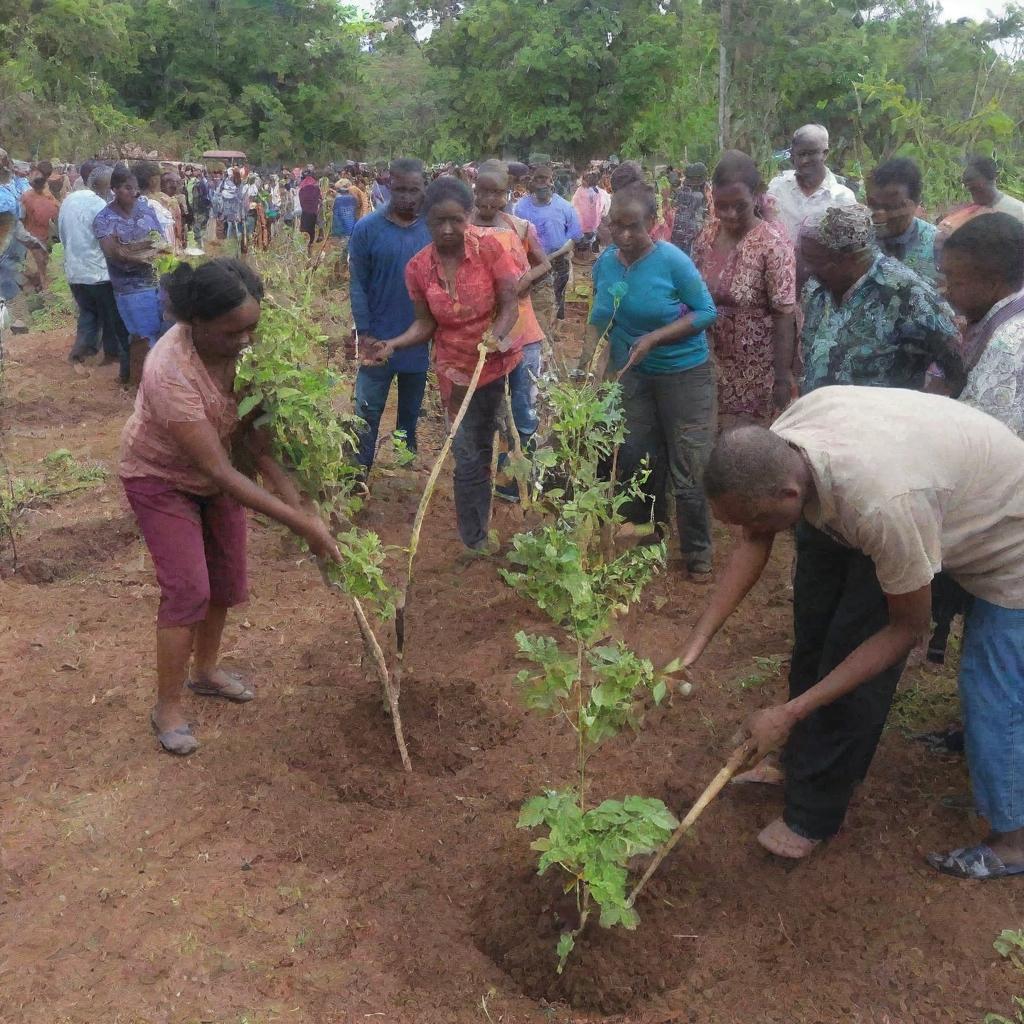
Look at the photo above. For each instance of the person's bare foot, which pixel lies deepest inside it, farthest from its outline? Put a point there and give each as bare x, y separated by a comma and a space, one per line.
767, 773
778, 838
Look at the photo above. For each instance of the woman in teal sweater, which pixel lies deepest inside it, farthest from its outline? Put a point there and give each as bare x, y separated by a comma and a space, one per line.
659, 308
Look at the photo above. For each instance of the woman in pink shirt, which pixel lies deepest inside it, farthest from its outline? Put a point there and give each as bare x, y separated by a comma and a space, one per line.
590, 203
188, 498
463, 289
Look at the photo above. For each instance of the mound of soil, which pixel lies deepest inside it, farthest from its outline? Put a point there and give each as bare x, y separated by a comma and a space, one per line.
66, 552
519, 922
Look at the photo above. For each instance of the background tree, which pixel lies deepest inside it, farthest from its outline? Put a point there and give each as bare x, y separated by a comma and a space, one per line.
296, 80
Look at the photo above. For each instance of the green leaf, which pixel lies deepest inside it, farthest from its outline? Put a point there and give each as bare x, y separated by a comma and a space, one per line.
566, 944
247, 404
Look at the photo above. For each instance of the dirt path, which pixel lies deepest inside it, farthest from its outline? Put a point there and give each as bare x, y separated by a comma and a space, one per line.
291, 872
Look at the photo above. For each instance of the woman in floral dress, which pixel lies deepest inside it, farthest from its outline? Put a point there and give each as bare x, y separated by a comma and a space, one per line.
750, 269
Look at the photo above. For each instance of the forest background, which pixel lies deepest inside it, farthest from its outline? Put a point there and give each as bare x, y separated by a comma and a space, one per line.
296, 80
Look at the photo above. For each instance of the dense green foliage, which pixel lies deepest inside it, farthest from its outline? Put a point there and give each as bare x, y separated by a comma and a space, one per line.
312, 79
297, 401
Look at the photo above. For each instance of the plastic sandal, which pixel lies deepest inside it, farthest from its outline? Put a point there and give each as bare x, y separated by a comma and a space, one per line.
178, 741
241, 697
976, 862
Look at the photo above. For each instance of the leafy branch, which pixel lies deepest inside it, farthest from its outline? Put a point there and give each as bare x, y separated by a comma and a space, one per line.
292, 395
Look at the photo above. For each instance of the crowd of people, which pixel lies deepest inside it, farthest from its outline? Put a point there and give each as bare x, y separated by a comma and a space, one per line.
789, 358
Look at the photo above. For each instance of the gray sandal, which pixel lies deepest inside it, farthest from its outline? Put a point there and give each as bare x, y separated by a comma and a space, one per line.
178, 741
242, 696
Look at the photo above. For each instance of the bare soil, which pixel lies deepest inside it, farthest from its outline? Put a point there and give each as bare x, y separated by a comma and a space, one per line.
291, 871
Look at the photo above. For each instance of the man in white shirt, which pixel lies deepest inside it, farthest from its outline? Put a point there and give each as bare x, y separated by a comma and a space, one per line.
811, 187
979, 179
886, 488
86, 270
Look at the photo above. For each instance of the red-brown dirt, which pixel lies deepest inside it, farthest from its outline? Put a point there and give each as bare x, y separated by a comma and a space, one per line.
290, 871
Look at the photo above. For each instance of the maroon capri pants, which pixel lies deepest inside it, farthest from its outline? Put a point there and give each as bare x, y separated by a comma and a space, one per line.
198, 547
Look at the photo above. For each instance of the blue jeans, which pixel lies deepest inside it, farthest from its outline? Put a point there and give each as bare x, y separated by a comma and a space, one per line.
523, 392
373, 383
992, 697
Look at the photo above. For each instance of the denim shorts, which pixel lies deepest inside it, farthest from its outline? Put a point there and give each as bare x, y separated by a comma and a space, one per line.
992, 697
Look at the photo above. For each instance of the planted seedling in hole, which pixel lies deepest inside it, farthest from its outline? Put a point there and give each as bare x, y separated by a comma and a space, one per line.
594, 684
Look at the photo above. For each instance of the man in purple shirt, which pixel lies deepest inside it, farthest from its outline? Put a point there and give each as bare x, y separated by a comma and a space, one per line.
558, 228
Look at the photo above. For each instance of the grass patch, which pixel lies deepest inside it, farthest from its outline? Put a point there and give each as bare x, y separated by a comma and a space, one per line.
56, 306
924, 701
767, 668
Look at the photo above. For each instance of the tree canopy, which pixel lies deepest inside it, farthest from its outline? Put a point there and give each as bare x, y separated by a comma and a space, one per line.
459, 79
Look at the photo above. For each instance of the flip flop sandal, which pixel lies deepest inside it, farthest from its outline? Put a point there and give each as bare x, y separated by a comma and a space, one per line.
976, 862
243, 696
958, 802
178, 741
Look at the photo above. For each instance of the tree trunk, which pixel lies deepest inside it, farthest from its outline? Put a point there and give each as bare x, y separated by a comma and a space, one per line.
724, 37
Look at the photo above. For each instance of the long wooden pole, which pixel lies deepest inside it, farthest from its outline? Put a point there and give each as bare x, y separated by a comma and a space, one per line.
376, 655
421, 512
737, 760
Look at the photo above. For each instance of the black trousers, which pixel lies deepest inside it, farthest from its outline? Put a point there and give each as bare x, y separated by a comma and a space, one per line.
837, 605
949, 600
560, 274
97, 313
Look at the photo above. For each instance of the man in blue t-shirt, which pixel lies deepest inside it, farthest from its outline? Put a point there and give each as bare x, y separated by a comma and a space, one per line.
379, 249
558, 228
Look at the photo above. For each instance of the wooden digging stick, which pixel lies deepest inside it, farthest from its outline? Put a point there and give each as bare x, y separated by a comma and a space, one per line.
737, 760
376, 655
421, 512
390, 691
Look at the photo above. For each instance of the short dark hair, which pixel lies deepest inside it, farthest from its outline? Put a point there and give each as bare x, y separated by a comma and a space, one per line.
87, 168
749, 461
626, 174
638, 192
736, 168
120, 174
145, 171
446, 188
405, 165
211, 289
45, 167
994, 242
900, 170
983, 165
